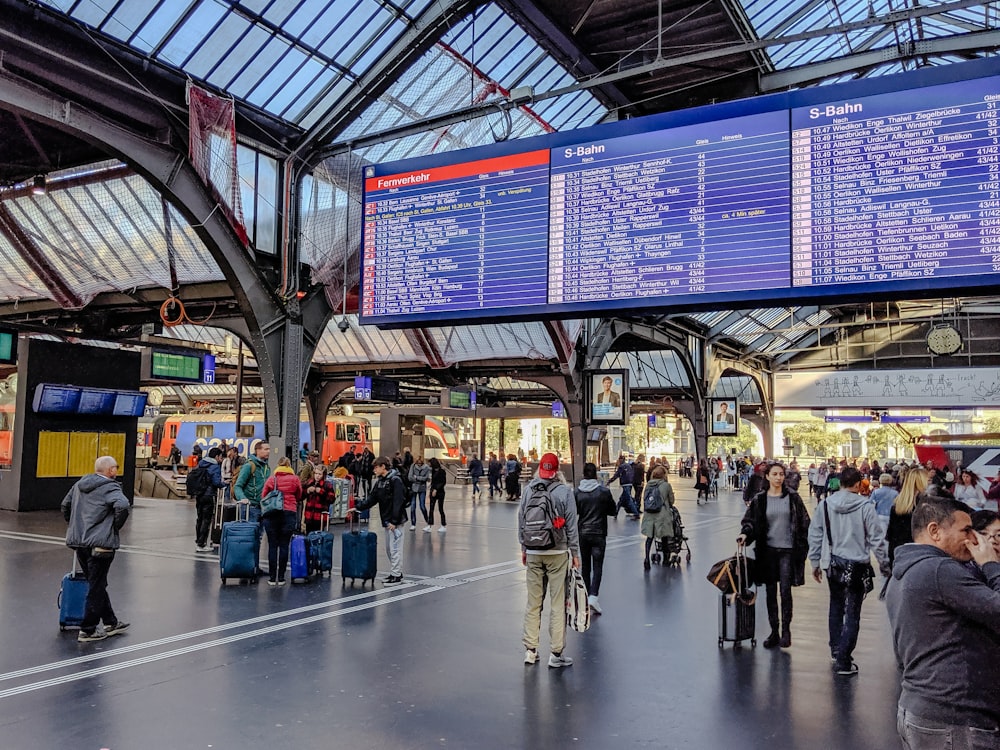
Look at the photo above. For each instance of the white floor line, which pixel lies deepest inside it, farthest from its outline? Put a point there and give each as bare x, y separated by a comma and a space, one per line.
23, 536
196, 633
86, 674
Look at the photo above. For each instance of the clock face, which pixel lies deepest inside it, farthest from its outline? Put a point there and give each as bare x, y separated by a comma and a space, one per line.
944, 340
155, 397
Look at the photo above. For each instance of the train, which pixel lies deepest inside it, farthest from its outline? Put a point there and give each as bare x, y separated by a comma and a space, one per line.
156, 437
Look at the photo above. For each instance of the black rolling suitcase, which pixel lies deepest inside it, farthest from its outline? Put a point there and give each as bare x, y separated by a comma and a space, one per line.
225, 511
737, 621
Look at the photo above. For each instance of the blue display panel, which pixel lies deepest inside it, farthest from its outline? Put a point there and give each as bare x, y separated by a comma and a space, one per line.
129, 404
55, 399
898, 186
96, 401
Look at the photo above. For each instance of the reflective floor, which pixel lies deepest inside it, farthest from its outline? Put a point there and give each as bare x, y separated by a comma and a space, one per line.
434, 662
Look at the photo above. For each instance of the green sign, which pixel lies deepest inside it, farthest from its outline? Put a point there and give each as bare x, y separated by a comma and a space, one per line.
176, 366
8, 342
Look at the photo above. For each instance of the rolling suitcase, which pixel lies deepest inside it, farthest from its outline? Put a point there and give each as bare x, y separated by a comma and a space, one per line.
72, 599
298, 558
321, 548
359, 550
737, 621
224, 513
239, 548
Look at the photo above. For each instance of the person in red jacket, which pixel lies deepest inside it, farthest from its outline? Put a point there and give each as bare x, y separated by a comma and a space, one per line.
319, 497
280, 525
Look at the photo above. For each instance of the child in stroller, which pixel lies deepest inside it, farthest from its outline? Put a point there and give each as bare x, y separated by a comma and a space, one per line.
670, 548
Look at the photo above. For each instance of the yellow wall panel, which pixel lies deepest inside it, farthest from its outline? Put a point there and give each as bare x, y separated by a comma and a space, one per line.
112, 444
82, 453
53, 452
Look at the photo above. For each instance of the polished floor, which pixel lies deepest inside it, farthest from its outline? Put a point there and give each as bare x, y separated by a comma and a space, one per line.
435, 662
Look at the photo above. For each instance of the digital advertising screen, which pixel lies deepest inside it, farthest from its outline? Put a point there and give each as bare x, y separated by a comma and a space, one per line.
723, 416
608, 400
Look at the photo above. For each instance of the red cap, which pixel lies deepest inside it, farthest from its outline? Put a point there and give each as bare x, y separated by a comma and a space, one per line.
549, 466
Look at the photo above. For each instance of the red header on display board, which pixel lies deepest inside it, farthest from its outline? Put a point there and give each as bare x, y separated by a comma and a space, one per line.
454, 171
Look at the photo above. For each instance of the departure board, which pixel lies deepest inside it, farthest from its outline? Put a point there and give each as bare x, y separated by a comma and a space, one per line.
669, 212
897, 187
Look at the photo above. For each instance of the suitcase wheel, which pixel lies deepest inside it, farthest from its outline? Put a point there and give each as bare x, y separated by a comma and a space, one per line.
62, 628
753, 643
688, 557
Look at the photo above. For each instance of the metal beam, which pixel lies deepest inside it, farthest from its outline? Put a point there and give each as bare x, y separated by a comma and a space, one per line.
985, 40
61, 291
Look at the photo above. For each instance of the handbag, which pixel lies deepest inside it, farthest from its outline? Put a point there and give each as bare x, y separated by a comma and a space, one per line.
272, 502
847, 572
577, 603
734, 575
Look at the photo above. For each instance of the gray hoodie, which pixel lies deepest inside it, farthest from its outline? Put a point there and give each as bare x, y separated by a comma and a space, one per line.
946, 633
96, 508
855, 528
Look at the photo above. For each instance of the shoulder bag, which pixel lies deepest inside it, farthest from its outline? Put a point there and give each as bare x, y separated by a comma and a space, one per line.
847, 572
272, 502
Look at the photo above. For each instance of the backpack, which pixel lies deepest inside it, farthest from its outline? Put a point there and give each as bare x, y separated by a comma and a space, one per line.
652, 500
627, 474
198, 481
539, 529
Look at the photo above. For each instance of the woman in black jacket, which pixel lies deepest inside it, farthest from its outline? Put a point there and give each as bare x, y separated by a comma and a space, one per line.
439, 478
593, 506
778, 525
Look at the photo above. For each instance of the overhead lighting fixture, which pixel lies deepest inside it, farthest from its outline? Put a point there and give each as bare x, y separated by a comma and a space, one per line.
38, 185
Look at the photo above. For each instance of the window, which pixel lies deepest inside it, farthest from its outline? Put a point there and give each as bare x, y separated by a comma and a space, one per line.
246, 431
355, 433
173, 431
433, 442
340, 431
204, 430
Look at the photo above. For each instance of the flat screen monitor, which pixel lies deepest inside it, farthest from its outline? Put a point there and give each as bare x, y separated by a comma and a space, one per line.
172, 366
130, 404
95, 401
55, 399
8, 347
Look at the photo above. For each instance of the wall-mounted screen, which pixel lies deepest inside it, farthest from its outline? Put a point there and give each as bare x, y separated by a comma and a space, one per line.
8, 347
723, 416
130, 404
461, 399
608, 396
96, 401
172, 366
891, 185
55, 399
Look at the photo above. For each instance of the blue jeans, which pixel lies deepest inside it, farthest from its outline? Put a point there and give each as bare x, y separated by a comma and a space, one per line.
626, 501
421, 497
279, 528
845, 619
475, 485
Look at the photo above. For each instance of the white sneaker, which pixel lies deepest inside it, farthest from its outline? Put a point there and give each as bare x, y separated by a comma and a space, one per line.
413, 527
428, 528
594, 605
530, 657
558, 660
443, 529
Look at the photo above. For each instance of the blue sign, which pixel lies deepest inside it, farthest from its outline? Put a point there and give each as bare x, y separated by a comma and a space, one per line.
651, 420
362, 388
558, 410
900, 420
858, 418
208, 370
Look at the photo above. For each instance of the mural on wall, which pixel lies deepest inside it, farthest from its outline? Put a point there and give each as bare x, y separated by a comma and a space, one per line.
874, 389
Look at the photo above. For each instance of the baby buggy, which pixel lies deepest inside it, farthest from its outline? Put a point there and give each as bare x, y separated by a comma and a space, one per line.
670, 548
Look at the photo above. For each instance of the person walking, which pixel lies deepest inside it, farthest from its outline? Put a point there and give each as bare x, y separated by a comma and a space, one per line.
279, 525
624, 475
96, 509
777, 524
389, 494
945, 618
898, 531
439, 478
657, 517
594, 504
475, 474
844, 533
494, 470
549, 534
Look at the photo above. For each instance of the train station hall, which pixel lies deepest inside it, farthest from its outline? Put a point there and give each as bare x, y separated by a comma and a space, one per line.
360, 361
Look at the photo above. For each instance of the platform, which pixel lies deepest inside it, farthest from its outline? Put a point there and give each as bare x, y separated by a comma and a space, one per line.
435, 662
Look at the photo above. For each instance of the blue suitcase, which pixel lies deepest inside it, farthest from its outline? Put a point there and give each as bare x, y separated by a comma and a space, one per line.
359, 554
321, 548
298, 558
72, 599
239, 547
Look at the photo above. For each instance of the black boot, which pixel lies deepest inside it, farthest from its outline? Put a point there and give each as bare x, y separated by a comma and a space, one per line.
786, 637
772, 640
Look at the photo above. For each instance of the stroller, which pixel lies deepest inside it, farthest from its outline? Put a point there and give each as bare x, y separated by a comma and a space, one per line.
669, 549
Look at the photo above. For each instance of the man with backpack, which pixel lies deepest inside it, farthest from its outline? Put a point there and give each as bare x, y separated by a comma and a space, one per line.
625, 474
203, 483
547, 528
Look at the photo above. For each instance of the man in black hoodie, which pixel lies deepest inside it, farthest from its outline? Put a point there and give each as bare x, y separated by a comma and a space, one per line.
946, 632
390, 496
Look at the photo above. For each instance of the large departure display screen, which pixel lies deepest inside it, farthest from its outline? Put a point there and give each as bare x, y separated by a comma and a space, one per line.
781, 199
897, 186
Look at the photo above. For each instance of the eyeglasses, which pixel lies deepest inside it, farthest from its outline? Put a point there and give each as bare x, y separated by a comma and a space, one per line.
993, 537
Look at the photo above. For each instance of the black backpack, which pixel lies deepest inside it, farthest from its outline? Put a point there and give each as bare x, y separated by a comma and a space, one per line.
198, 481
652, 500
539, 531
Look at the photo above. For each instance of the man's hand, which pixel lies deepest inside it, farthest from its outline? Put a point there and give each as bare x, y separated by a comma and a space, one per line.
524, 557
243, 502
390, 526
576, 562
741, 540
818, 575
981, 549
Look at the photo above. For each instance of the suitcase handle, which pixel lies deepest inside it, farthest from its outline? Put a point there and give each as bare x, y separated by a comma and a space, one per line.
324, 521
246, 514
352, 515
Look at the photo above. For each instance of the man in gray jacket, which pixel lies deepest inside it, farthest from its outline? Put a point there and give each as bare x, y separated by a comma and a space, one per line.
96, 509
946, 632
856, 532
547, 529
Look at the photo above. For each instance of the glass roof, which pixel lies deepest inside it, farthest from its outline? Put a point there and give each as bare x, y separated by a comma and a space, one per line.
292, 58
788, 17
743, 388
659, 368
93, 235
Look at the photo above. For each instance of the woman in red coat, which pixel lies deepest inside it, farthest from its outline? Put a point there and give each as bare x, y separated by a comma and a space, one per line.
280, 525
319, 497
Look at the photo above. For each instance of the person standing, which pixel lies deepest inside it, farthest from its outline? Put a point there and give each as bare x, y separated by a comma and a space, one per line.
657, 518
366, 465
494, 470
594, 504
439, 478
945, 619
850, 521
898, 531
624, 475
249, 485
777, 524
549, 535
205, 499
175, 460
389, 494
968, 490
96, 509
319, 495
420, 475
279, 525
883, 498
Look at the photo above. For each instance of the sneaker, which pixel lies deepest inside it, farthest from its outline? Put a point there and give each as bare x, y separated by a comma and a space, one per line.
392, 580
281, 581
848, 670
558, 660
99, 634
786, 639
530, 656
271, 582
443, 529
118, 627
772, 640
428, 528
594, 605
413, 527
